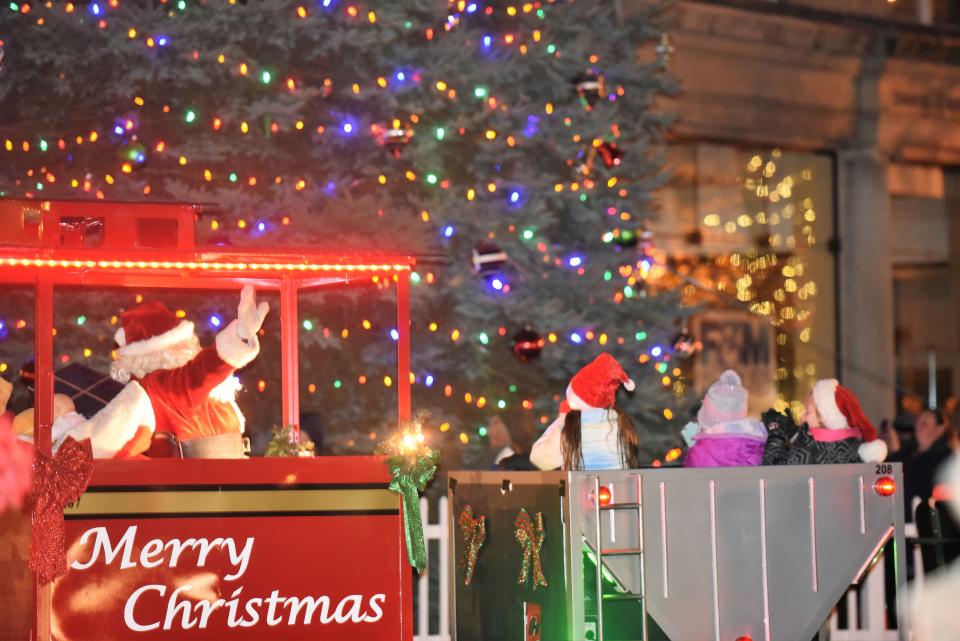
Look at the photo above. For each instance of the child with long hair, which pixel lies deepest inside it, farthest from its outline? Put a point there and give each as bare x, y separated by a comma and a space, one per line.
594, 434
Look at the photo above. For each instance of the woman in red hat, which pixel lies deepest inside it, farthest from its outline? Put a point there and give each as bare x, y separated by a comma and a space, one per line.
594, 434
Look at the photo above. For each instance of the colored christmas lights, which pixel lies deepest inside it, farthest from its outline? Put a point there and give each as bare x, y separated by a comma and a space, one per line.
176, 131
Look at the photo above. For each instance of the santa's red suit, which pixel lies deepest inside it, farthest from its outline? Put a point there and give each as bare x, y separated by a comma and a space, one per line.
173, 385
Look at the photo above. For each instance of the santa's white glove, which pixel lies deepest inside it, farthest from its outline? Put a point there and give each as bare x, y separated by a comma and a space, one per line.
250, 315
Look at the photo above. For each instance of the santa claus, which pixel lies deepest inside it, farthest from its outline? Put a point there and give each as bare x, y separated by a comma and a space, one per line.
173, 385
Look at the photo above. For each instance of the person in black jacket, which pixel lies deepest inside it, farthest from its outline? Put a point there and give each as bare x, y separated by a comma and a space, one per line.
922, 457
835, 430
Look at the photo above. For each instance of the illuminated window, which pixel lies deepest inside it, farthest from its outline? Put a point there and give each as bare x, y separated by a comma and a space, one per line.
746, 234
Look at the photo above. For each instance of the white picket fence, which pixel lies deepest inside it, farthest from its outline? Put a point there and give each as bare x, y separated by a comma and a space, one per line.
437, 564
866, 615
866, 610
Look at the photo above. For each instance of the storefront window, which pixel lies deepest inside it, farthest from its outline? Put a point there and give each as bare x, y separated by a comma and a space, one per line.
745, 235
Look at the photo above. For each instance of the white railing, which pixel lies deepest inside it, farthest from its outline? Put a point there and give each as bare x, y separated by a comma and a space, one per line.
866, 615
438, 564
866, 611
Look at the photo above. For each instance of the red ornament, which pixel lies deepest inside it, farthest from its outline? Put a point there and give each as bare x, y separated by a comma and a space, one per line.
488, 258
394, 137
527, 344
607, 152
58, 481
590, 88
610, 154
474, 532
685, 344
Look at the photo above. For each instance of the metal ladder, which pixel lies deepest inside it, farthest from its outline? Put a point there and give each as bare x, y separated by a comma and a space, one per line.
637, 552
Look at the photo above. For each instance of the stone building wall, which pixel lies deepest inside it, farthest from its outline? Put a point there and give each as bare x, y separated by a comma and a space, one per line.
865, 81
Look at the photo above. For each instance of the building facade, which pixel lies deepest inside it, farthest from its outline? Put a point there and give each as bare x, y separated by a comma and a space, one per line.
816, 143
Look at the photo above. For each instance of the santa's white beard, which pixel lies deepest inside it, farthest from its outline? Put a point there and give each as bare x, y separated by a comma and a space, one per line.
127, 367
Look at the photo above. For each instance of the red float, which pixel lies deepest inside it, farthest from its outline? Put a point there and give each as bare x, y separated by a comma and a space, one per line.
278, 548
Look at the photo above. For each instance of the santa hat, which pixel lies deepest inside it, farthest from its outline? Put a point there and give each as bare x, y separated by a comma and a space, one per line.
595, 386
150, 328
726, 400
840, 410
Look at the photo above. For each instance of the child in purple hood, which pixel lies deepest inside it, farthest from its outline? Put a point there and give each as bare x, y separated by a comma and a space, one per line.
723, 435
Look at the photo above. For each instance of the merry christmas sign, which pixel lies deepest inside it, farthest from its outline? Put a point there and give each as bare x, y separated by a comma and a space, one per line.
304, 561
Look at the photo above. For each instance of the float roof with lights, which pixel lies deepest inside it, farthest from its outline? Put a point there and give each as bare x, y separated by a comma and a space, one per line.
99, 243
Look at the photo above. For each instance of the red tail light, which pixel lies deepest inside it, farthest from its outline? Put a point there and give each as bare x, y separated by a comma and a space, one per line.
744, 638
885, 486
605, 496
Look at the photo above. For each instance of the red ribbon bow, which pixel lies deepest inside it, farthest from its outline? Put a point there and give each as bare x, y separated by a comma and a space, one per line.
58, 481
474, 532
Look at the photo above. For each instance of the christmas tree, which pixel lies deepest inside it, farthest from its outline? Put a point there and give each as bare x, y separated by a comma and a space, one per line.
511, 146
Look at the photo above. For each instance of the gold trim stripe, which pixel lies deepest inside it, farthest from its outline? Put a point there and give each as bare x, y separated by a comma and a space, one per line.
252, 501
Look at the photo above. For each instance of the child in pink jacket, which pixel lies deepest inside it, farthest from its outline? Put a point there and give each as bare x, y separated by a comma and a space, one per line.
724, 436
